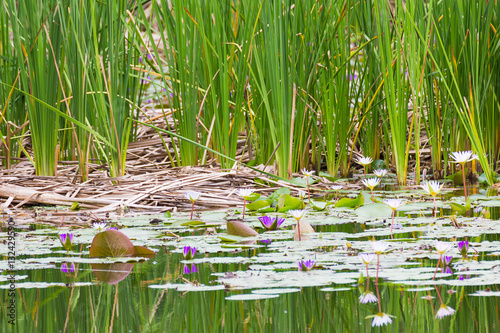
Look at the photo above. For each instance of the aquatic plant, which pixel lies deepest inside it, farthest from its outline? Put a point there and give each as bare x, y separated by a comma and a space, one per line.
432, 188
271, 223
463, 157
380, 172
306, 265
336, 188
463, 248
192, 196
189, 252
394, 204
308, 174
371, 183
297, 214
364, 161
245, 193
66, 240
378, 247
99, 226
366, 258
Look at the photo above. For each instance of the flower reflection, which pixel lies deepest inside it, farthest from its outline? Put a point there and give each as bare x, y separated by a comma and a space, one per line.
444, 310
381, 319
188, 269
368, 297
65, 269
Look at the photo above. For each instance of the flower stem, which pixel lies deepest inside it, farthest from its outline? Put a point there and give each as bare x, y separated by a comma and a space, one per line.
367, 276
392, 224
308, 193
439, 261
465, 187
244, 204
298, 228
376, 278
435, 206
192, 209
378, 296
372, 197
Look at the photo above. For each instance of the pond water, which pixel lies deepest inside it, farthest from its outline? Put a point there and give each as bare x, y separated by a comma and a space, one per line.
247, 285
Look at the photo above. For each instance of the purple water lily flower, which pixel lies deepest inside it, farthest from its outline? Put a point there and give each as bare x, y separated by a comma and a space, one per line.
447, 260
463, 247
66, 240
186, 269
112, 228
65, 269
447, 270
266, 241
305, 265
271, 223
189, 252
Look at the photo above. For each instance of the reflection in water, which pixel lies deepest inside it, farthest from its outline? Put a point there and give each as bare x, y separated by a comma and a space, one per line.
188, 269
111, 273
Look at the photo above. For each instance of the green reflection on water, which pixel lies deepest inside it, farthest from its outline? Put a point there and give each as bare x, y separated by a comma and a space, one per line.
132, 306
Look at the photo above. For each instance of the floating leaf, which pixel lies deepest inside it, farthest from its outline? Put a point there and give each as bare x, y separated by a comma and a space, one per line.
351, 203
238, 228
230, 238
256, 205
302, 181
276, 194
144, 252
374, 210
193, 223
286, 202
252, 197
318, 205
111, 243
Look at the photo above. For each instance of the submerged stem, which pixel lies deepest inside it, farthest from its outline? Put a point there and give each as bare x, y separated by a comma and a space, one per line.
439, 261
192, 209
392, 224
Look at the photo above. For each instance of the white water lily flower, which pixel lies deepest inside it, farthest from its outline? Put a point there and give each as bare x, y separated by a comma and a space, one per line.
371, 182
381, 319
307, 173
192, 195
380, 172
442, 247
244, 192
379, 246
394, 203
99, 226
366, 258
444, 310
302, 194
432, 187
336, 187
364, 161
297, 213
367, 297
463, 157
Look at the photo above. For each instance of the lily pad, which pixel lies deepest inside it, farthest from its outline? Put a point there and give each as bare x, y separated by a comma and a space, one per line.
238, 228
351, 203
374, 210
111, 243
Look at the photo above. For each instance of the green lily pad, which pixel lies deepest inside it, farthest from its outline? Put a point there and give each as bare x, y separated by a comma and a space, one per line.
374, 210
350, 203
257, 205
286, 202
318, 205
